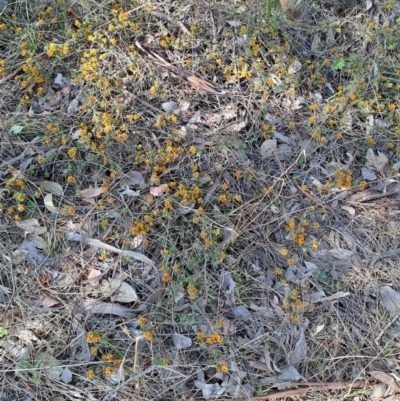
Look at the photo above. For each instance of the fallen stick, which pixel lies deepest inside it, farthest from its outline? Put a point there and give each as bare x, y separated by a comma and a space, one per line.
302, 391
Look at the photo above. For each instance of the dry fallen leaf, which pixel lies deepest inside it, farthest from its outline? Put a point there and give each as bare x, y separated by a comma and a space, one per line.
349, 209
375, 162
180, 341
48, 202
268, 148
390, 299
90, 200
51, 187
158, 191
93, 281
31, 226
299, 353
277, 308
385, 378
48, 302
96, 307
92, 192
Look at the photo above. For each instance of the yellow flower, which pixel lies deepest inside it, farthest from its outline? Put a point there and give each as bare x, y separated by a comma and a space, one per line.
148, 335
108, 357
294, 318
192, 292
312, 119
221, 367
72, 153
166, 278
300, 240
64, 50
201, 338
71, 179
292, 224
291, 261
284, 251
108, 371
90, 374
52, 48
141, 321
214, 338
92, 337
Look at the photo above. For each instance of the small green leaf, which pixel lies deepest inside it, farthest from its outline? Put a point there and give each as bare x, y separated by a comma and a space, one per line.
30, 206
25, 364
339, 63
3, 332
321, 277
16, 129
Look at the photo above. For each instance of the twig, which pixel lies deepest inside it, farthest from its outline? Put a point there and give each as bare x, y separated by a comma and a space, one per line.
213, 188
123, 252
302, 391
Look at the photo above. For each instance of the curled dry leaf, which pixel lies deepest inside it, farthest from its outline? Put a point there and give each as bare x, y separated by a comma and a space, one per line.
341, 253
94, 277
385, 378
180, 341
299, 353
137, 241
125, 294
268, 148
390, 299
48, 302
349, 209
51, 187
277, 308
48, 202
376, 163
99, 308
367, 174
129, 192
31, 226
209, 390
18, 256
158, 191
90, 200
73, 107
92, 192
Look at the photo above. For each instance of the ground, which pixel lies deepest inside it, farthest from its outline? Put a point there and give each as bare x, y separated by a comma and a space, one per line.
199, 200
